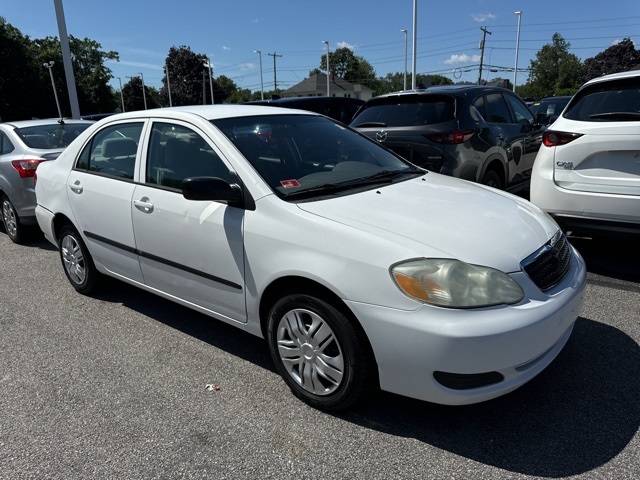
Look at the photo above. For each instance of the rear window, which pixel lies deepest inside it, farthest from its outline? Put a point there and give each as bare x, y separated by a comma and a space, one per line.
607, 101
56, 135
407, 111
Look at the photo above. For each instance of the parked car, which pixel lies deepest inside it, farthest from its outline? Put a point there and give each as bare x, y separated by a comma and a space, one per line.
478, 133
548, 109
359, 268
587, 173
339, 108
24, 145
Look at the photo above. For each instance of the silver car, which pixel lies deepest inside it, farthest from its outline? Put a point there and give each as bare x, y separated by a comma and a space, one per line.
23, 146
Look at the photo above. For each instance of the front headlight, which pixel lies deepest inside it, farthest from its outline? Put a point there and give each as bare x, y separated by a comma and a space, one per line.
455, 284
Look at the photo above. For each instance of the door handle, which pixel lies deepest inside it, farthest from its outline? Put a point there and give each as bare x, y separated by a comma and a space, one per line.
143, 205
76, 187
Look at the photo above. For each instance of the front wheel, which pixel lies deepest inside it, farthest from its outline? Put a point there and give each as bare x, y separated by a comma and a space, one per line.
318, 352
76, 261
11, 221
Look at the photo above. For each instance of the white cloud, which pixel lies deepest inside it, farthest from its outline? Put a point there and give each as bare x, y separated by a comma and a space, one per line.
481, 17
226, 48
247, 66
346, 45
464, 58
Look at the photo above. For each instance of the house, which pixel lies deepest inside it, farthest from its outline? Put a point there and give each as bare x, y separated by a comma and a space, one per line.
316, 86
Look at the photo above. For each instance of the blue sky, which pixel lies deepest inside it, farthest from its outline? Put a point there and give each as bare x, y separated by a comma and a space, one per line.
448, 33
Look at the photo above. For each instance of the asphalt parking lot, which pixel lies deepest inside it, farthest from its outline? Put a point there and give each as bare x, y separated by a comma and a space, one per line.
127, 385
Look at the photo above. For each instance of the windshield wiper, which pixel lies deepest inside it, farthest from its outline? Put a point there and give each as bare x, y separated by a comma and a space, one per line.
384, 174
377, 178
370, 124
325, 188
614, 115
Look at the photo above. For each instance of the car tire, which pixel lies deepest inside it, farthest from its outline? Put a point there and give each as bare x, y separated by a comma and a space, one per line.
76, 261
12, 226
318, 352
491, 179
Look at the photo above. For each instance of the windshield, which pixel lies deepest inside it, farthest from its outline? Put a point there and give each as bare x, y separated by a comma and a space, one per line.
47, 137
306, 157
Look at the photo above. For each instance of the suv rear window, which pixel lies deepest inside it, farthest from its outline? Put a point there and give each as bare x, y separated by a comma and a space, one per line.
408, 111
607, 101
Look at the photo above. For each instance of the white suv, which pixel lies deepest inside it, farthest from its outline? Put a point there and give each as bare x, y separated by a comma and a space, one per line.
587, 172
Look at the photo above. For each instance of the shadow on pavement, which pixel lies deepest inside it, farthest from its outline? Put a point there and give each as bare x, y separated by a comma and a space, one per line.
577, 415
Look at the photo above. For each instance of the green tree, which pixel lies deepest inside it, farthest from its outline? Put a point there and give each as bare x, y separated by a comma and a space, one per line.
621, 57
135, 100
21, 88
189, 78
91, 75
554, 71
345, 64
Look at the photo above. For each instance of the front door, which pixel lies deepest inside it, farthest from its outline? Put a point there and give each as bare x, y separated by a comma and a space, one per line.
190, 249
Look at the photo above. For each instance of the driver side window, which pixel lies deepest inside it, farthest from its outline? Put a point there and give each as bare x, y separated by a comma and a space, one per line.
177, 152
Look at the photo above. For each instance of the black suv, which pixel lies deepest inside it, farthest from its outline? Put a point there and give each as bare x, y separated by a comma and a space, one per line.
338, 108
478, 133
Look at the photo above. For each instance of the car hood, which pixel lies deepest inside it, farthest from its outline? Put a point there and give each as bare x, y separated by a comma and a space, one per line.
443, 217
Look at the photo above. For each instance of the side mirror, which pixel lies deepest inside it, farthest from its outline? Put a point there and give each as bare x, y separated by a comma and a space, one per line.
212, 189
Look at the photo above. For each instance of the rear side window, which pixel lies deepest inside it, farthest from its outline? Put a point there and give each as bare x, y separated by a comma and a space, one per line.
112, 151
5, 145
611, 101
408, 111
495, 109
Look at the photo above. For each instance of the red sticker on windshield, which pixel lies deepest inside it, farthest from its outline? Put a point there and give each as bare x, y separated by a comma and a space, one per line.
289, 183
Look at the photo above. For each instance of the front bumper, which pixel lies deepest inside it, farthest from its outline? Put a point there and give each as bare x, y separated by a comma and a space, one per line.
517, 342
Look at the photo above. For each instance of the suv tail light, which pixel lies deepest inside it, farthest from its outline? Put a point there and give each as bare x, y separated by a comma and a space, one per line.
453, 138
27, 167
554, 139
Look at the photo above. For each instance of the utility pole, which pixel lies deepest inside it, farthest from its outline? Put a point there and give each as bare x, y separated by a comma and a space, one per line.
484, 36
144, 96
275, 82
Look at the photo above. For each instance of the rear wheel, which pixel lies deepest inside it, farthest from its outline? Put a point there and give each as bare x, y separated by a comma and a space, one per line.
11, 221
318, 352
491, 179
76, 261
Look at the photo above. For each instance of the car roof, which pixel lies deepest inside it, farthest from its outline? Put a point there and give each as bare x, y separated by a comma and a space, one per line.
614, 76
450, 89
44, 121
210, 112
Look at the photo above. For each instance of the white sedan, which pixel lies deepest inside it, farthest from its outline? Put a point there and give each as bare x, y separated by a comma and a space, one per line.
359, 269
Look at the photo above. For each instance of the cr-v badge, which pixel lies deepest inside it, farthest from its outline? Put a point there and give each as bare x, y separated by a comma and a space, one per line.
381, 136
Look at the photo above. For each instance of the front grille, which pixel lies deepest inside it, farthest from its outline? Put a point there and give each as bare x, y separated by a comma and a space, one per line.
549, 265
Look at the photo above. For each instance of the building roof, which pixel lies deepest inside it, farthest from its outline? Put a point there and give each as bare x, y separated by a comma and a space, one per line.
318, 83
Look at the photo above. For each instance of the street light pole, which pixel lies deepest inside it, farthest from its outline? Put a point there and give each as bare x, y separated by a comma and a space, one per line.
49, 65
144, 96
415, 44
121, 95
209, 68
515, 70
261, 82
405, 58
166, 69
328, 69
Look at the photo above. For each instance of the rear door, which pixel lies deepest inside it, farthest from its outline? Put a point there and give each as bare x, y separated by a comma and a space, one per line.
100, 188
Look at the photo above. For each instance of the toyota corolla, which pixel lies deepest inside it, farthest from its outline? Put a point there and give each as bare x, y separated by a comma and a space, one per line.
360, 270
